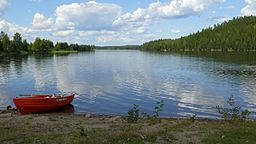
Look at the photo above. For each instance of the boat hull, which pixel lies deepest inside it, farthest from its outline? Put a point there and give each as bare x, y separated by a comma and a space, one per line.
41, 103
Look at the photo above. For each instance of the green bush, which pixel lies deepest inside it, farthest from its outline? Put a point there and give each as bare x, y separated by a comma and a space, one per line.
193, 118
233, 111
158, 108
133, 114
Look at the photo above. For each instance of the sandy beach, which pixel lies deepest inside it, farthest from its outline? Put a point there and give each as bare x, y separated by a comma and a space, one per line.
87, 128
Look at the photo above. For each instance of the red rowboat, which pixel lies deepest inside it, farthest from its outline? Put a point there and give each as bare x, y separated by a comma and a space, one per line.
42, 103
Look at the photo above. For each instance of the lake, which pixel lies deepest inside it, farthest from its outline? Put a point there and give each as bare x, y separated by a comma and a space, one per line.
111, 81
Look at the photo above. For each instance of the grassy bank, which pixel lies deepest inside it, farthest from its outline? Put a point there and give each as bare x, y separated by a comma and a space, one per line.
70, 128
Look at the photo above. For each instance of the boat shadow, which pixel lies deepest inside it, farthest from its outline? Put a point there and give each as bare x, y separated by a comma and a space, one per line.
65, 109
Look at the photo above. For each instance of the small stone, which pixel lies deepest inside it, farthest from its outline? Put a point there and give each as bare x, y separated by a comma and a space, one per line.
88, 116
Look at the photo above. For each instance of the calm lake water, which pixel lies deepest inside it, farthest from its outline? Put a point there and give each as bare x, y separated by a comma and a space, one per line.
111, 81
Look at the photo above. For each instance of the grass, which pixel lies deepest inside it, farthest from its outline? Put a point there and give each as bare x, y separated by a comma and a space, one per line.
77, 129
52, 119
235, 133
92, 136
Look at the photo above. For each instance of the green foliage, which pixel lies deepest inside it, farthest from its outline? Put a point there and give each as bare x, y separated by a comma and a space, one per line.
61, 46
36, 46
145, 115
25, 45
235, 35
233, 111
193, 118
72, 47
5, 41
245, 114
133, 114
1, 46
77, 47
158, 108
16, 45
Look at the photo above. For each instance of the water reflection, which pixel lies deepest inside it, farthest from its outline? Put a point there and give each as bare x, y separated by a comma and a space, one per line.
247, 58
111, 81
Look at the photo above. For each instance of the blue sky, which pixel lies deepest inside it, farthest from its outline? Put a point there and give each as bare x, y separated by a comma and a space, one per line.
115, 22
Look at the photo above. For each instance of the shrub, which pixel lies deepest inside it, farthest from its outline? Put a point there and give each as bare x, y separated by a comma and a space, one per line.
133, 114
158, 108
233, 111
193, 118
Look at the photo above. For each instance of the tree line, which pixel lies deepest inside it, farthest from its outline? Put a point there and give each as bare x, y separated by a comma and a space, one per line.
237, 34
19, 45
118, 47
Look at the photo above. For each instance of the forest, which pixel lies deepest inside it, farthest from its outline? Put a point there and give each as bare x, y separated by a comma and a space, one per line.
19, 45
238, 34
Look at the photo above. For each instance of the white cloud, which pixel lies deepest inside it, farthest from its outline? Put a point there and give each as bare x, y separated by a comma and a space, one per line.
87, 16
94, 16
88, 22
250, 8
40, 22
95, 33
158, 10
140, 30
180, 8
3, 5
11, 29
104, 39
63, 33
105, 23
92, 20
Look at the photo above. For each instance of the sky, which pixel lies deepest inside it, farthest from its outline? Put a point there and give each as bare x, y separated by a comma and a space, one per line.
116, 22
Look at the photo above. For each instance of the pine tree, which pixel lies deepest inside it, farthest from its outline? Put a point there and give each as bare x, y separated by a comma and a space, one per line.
235, 35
